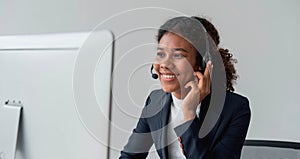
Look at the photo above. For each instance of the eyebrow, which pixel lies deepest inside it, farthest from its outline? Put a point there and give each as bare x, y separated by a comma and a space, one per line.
179, 49
173, 50
160, 48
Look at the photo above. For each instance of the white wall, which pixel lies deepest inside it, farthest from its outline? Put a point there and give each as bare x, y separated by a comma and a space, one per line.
263, 35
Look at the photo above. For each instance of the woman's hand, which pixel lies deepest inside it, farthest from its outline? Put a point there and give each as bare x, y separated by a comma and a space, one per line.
204, 81
200, 88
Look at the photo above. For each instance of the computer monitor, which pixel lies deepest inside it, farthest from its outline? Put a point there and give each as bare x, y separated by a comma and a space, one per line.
61, 118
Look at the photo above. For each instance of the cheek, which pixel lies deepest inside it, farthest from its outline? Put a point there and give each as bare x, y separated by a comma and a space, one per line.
156, 67
186, 70
185, 67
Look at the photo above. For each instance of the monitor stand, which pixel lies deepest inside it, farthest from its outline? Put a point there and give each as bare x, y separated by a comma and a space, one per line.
9, 124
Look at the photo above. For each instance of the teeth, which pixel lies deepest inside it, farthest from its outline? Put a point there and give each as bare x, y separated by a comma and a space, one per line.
168, 76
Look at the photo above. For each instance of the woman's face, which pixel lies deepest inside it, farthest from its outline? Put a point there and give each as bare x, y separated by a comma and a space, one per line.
175, 63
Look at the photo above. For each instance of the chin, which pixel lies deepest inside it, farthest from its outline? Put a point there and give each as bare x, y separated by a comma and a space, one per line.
168, 89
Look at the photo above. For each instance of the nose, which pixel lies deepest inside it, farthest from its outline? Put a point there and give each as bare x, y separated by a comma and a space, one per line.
167, 63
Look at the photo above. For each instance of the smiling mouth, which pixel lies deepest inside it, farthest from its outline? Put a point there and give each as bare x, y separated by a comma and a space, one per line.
168, 77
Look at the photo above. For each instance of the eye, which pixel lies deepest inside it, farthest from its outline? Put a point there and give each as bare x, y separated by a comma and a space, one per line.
160, 54
178, 56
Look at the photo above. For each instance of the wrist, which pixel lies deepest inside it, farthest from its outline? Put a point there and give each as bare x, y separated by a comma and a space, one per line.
189, 115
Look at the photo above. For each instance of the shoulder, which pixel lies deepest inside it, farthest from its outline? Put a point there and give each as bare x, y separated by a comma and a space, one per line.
236, 98
157, 95
157, 92
236, 103
155, 103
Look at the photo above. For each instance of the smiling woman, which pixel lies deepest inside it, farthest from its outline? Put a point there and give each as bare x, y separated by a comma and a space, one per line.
173, 116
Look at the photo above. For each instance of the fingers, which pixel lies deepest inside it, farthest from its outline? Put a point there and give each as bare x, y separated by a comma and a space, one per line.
204, 81
199, 75
191, 84
208, 70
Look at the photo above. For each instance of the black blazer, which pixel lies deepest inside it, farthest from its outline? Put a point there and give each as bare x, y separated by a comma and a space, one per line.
224, 141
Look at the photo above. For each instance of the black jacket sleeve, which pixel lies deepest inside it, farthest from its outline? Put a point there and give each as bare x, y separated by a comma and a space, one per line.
227, 145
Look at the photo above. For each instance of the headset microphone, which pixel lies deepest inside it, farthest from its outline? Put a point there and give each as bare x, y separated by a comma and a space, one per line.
154, 75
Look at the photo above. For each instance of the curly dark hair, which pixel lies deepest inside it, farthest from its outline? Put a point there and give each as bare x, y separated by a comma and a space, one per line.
227, 57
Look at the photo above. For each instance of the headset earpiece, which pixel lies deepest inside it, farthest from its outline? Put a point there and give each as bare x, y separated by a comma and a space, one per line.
154, 75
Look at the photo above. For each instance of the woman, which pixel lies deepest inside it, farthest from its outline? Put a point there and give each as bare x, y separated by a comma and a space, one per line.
175, 116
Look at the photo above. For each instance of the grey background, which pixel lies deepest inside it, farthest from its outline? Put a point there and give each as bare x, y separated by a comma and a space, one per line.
262, 35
